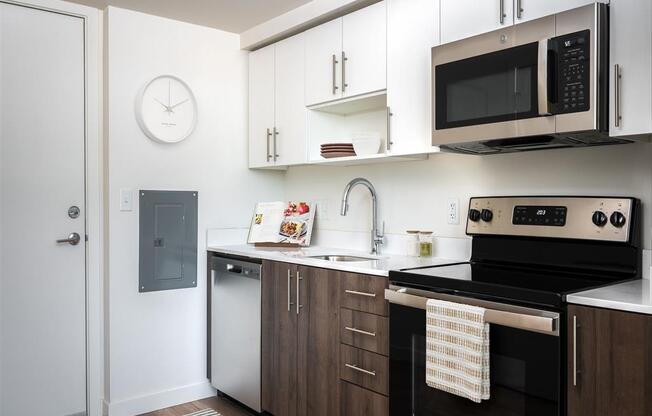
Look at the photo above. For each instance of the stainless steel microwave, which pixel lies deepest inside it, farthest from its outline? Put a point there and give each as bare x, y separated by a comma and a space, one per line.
536, 85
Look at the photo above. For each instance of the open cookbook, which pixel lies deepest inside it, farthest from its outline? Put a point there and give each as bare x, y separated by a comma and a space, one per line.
282, 223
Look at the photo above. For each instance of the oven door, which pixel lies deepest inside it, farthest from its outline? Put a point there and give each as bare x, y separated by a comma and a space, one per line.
493, 86
526, 377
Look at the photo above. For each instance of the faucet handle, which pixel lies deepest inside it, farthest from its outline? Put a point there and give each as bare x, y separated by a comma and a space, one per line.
380, 235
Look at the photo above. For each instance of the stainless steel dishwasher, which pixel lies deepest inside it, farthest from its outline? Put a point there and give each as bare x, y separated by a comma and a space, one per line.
236, 329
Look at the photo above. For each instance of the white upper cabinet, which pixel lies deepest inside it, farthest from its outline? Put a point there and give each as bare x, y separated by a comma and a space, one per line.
465, 18
347, 56
261, 106
630, 103
291, 114
277, 114
364, 50
323, 57
526, 10
412, 30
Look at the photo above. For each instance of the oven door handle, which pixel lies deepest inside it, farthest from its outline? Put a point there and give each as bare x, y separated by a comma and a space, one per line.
533, 320
543, 78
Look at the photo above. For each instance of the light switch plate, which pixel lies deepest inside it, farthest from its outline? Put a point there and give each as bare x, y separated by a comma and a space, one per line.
126, 200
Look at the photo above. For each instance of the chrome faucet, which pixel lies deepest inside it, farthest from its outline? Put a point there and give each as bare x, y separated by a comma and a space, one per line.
376, 236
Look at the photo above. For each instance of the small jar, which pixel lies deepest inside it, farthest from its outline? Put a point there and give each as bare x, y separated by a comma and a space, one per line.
412, 243
425, 243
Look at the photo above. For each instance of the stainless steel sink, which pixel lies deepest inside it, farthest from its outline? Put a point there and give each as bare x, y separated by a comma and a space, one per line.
340, 258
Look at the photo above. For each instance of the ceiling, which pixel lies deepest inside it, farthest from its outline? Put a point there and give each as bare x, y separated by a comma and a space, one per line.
230, 15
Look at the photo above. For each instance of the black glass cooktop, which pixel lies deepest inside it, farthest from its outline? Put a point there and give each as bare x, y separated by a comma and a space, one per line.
516, 284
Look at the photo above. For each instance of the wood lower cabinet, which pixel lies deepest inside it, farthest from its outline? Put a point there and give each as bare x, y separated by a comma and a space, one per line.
300, 340
357, 401
279, 339
318, 342
609, 362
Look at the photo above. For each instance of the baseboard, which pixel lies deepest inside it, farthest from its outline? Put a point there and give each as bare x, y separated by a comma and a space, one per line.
160, 400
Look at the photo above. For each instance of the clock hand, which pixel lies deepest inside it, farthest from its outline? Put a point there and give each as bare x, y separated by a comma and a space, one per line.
179, 103
169, 94
167, 109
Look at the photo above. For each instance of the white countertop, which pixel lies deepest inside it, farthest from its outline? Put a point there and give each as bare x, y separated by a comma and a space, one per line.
377, 265
632, 296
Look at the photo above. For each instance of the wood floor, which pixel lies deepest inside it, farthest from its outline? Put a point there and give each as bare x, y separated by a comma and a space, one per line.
222, 405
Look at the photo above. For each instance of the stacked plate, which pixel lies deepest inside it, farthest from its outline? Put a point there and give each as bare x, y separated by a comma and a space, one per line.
330, 150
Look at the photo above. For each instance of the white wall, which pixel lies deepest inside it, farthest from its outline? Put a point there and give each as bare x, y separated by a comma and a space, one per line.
156, 341
413, 195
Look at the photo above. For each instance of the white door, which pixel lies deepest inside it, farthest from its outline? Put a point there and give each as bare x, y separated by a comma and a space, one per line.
631, 50
364, 50
323, 62
290, 110
261, 107
465, 18
412, 30
42, 283
526, 10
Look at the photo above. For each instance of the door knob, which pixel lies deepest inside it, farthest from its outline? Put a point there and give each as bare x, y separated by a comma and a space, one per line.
73, 239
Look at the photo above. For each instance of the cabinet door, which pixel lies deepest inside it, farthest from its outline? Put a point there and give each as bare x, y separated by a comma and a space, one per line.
412, 30
318, 342
323, 62
279, 339
631, 50
261, 106
364, 50
526, 10
465, 18
290, 139
610, 362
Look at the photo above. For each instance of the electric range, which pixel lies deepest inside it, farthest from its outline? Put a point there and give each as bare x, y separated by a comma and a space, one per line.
528, 254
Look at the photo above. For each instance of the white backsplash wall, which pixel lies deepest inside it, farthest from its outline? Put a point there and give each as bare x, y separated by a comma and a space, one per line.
413, 195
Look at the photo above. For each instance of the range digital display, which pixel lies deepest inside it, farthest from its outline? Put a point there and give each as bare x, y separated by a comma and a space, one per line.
554, 216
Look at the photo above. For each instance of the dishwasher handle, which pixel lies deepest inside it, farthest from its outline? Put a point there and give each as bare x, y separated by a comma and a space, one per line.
233, 267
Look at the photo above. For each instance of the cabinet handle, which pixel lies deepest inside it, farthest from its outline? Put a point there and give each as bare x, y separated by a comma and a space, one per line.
289, 301
502, 12
298, 302
575, 370
344, 84
519, 9
276, 133
360, 331
355, 292
269, 135
389, 129
362, 370
334, 63
617, 78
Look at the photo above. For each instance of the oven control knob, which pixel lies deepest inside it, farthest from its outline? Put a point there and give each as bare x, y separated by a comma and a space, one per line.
618, 219
486, 215
474, 215
599, 218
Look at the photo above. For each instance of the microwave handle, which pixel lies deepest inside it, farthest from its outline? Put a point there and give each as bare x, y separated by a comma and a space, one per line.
543, 78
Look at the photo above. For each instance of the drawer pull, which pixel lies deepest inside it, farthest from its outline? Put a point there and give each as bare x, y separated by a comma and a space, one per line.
362, 370
355, 292
360, 331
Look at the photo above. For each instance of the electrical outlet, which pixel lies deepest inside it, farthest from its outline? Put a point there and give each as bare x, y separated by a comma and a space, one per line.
453, 211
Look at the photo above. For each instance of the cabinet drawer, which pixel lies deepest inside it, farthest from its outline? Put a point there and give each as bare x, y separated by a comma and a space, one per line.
364, 368
363, 293
356, 401
364, 330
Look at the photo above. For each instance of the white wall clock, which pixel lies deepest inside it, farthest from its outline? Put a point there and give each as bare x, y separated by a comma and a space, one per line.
166, 109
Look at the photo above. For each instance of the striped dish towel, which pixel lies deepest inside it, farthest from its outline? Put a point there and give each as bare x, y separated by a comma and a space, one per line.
457, 349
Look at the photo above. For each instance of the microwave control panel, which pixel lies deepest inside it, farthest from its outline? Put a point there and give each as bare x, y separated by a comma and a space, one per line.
571, 53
